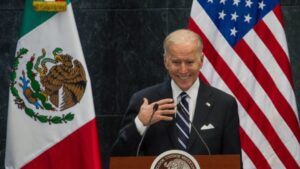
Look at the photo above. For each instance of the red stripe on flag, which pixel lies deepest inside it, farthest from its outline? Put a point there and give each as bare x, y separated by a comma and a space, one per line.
203, 78
245, 99
267, 83
275, 48
249, 147
277, 12
77, 151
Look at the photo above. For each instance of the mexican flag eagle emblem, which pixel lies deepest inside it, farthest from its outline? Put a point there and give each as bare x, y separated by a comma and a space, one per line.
48, 83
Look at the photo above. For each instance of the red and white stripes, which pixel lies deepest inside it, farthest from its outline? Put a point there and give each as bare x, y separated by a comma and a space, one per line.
257, 72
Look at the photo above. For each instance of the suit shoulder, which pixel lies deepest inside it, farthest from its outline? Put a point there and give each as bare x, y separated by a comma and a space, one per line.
220, 93
149, 91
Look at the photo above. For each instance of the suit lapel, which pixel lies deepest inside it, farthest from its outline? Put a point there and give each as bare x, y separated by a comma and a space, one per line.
203, 108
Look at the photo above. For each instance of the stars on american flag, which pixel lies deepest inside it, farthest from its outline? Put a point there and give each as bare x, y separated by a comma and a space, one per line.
222, 2
235, 17
222, 15
248, 3
261, 5
247, 18
236, 2
233, 31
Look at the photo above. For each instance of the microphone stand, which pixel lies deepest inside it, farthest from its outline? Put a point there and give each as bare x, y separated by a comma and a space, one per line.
201, 138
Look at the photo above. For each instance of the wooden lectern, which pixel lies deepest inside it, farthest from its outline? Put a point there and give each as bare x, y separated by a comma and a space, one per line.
205, 161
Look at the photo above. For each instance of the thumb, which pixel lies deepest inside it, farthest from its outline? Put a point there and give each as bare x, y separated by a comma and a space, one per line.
145, 101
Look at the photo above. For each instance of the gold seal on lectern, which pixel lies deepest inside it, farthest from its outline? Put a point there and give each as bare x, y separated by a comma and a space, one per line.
175, 159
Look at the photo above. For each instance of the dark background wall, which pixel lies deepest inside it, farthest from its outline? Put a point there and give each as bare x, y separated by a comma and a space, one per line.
122, 43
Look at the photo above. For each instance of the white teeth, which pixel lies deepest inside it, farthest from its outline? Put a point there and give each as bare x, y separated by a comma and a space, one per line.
183, 77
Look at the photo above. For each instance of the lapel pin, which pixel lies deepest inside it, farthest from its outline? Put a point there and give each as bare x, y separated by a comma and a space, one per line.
207, 104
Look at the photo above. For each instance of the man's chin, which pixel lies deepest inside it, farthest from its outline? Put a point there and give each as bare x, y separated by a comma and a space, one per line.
184, 86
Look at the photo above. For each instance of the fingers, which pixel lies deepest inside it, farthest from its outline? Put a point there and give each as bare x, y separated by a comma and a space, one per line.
165, 118
166, 112
166, 115
165, 104
164, 101
169, 106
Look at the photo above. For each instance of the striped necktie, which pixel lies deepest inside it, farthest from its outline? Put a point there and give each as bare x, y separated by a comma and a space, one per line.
182, 121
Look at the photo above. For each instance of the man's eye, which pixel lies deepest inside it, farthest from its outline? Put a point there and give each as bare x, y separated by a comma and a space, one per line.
175, 62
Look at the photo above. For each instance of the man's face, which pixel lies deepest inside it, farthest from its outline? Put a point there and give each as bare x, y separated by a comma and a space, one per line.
183, 64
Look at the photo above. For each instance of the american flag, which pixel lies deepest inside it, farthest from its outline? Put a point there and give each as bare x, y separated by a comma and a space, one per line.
246, 55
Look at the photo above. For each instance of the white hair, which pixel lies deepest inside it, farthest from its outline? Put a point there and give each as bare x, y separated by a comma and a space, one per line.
182, 36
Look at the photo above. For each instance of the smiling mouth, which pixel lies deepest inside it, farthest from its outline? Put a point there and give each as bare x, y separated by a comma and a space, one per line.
183, 77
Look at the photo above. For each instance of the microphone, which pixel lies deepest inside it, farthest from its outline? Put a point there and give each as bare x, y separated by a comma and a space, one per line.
155, 107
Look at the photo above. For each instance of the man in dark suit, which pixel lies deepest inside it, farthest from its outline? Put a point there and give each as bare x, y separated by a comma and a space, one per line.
212, 112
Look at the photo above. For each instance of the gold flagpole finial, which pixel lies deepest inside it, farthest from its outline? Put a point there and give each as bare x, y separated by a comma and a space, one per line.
49, 5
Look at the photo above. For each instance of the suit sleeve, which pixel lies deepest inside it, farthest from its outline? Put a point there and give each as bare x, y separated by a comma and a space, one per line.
231, 135
128, 138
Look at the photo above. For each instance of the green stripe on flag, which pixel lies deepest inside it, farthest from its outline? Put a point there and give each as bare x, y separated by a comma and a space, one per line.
32, 19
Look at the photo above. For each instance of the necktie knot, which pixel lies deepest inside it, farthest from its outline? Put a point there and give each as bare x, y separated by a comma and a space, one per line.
183, 95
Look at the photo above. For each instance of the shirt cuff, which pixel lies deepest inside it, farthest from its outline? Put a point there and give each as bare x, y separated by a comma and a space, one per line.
139, 125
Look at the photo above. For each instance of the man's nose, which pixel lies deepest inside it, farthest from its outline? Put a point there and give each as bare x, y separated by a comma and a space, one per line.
183, 68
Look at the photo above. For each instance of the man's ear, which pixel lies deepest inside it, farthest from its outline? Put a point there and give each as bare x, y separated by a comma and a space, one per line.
201, 60
165, 62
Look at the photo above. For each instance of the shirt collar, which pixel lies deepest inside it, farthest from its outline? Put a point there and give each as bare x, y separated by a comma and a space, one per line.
192, 91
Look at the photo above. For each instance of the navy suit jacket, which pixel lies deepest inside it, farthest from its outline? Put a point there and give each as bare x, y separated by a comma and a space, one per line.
213, 107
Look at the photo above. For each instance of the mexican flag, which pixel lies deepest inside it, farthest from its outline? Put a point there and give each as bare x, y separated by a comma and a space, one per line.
51, 116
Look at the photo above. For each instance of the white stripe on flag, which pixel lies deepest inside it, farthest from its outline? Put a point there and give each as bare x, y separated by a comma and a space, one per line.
246, 161
275, 26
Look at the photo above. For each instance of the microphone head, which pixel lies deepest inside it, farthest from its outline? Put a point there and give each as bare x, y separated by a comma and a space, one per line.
155, 107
